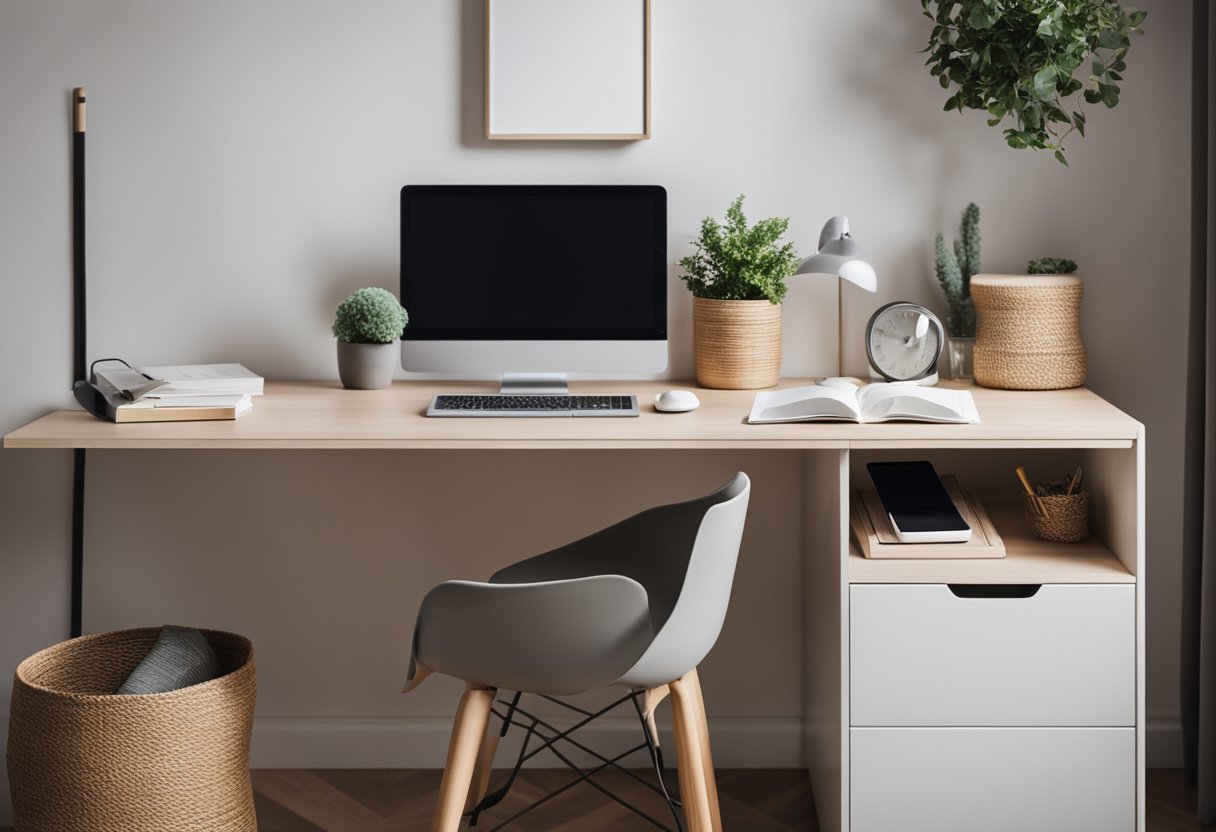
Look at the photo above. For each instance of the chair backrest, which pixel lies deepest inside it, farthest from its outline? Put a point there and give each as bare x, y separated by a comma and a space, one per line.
697, 608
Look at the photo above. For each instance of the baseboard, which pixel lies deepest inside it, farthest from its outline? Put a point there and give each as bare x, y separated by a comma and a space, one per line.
422, 743
1163, 743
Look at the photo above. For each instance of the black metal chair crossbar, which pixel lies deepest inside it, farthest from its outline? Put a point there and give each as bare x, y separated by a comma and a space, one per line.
550, 736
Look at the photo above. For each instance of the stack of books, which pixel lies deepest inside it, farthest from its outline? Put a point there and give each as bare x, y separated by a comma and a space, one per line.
189, 392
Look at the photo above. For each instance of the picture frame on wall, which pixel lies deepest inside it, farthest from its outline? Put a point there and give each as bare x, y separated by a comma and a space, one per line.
562, 70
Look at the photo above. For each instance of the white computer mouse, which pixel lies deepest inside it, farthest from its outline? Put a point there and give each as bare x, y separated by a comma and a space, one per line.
844, 383
676, 401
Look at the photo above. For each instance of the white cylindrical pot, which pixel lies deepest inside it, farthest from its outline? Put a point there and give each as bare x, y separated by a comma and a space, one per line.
367, 366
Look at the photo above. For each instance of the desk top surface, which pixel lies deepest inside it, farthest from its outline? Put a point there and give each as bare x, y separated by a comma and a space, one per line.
320, 414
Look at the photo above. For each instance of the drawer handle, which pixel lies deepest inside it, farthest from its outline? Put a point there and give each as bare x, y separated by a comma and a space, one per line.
994, 590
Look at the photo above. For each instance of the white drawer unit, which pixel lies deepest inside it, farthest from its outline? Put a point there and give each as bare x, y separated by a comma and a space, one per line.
951, 655
993, 779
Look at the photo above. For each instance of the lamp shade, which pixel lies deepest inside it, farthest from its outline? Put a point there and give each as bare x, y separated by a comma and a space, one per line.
839, 254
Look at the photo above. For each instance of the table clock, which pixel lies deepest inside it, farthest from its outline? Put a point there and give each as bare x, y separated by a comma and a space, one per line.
904, 342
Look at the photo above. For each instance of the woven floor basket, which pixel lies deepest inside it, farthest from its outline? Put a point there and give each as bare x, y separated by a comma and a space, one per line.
1028, 331
737, 343
80, 760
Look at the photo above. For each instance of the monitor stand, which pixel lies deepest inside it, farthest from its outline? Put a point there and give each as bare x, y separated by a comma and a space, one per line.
534, 384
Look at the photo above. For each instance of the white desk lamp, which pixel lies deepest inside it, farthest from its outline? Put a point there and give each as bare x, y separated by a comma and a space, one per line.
840, 255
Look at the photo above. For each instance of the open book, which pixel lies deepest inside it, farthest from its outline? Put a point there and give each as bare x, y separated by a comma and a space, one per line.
872, 403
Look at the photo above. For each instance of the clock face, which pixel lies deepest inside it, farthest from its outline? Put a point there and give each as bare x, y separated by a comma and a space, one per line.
904, 341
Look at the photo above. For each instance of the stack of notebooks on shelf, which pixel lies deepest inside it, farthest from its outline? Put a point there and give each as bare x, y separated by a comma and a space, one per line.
184, 393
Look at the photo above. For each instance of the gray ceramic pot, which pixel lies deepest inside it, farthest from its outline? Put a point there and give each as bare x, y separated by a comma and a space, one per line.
367, 366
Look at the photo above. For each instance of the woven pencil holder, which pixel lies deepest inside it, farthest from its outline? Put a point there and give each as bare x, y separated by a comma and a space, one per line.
1028, 331
81, 759
1067, 519
736, 343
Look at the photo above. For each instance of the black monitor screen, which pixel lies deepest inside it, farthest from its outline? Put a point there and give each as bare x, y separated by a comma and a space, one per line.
534, 262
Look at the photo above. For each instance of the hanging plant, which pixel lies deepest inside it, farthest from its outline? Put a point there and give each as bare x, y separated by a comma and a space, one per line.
1022, 59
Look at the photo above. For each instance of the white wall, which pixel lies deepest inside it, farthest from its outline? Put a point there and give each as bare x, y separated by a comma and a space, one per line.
245, 159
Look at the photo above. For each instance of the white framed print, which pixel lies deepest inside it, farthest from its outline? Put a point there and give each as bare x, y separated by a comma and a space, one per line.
568, 69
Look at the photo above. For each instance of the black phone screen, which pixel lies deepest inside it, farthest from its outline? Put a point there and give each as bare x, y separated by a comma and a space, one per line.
915, 497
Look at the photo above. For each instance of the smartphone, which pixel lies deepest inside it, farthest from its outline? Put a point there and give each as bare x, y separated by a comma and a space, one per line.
916, 501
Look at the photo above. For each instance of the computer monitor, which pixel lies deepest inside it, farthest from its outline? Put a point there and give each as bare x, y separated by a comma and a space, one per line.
534, 281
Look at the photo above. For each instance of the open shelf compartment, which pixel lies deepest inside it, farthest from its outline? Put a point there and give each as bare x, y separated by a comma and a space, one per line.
1028, 560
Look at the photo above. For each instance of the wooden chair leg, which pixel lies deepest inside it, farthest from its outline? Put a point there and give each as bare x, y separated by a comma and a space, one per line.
468, 731
688, 756
483, 769
651, 697
707, 759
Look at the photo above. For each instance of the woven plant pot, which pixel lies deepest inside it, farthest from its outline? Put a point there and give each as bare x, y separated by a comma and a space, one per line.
1067, 519
81, 759
1028, 331
736, 343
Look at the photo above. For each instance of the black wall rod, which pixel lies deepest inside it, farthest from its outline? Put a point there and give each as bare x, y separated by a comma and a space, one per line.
79, 362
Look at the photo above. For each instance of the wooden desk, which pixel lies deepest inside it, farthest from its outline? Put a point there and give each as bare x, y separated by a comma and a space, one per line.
1035, 753
312, 414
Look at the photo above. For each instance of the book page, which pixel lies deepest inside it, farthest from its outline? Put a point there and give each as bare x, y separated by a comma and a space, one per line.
203, 379
200, 372
799, 404
894, 402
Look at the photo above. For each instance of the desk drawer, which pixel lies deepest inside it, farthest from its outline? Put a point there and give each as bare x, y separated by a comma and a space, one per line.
921, 655
993, 779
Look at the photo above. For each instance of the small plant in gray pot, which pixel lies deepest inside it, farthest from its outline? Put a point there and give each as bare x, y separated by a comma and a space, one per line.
367, 326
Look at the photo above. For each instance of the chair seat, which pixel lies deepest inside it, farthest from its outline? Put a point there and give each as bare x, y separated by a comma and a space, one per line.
558, 637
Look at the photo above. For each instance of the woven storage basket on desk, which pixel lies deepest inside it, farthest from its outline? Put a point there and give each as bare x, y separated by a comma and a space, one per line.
736, 343
1028, 331
81, 759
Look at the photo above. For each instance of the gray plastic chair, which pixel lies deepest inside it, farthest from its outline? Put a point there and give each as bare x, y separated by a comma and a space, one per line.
638, 604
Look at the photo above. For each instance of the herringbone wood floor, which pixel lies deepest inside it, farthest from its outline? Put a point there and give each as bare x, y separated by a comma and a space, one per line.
752, 800
401, 801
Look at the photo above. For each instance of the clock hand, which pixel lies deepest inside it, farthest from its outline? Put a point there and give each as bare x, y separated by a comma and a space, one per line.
922, 329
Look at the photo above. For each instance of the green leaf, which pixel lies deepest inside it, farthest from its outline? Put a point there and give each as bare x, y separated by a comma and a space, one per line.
983, 17
1044, 83
1060, 158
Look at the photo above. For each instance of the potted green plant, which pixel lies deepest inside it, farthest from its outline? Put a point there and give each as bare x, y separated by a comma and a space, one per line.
1051, 265
736, 275
1023, 59
367, 326
955, 267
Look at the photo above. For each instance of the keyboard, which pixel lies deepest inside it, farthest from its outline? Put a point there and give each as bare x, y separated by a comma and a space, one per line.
516, 404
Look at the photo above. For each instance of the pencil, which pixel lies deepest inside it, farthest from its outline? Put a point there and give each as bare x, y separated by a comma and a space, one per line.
1034, 498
